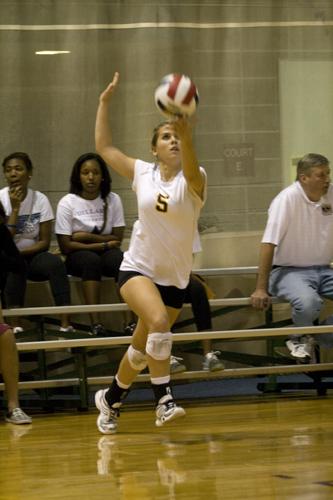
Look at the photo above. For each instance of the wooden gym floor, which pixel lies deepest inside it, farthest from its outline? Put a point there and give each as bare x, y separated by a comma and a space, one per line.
256, 447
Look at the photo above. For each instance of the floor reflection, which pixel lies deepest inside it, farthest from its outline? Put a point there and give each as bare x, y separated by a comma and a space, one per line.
168, 465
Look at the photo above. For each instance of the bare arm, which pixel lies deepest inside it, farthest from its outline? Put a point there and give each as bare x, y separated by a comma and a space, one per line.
118, 161
100, 243
260, 298
86, 237
190, 165
43, 243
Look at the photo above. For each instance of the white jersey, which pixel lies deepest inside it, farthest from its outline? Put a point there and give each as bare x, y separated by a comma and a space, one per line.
34, 209
75, 213
301, 229
162, 240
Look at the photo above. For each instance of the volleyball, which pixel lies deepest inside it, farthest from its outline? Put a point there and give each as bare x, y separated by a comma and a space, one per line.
176, 95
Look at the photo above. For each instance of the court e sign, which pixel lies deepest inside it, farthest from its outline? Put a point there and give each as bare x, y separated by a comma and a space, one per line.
239, 159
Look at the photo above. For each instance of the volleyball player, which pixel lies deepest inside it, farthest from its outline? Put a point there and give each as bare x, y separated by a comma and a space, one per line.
155, 270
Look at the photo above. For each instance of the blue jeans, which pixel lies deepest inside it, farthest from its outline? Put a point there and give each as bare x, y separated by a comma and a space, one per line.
304, 288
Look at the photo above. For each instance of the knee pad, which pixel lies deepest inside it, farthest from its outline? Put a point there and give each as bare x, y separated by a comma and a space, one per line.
137, 359
159, 345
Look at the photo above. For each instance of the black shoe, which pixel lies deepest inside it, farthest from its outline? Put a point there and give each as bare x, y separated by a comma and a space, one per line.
99, 330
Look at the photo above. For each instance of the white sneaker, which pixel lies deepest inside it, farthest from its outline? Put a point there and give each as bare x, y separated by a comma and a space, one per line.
17, 329
67, 329
301, 347
18, 417
107, 418
176, 365
212, 363
167, 410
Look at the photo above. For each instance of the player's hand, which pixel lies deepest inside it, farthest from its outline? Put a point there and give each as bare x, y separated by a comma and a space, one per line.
107, 93
182, 126
260, 299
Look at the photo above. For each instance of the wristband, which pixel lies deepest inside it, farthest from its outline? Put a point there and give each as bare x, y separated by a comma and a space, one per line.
11, 225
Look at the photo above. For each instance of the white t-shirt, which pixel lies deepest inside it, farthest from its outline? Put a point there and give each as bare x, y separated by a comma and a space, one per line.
162, 240
302, 230
78, 214
34, 209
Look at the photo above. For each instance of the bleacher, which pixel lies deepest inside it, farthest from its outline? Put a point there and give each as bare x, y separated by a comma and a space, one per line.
76, 353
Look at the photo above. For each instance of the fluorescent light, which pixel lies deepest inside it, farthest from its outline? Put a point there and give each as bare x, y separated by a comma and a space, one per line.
51, 52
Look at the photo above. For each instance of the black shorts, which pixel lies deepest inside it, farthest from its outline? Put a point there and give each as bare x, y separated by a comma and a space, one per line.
171, 295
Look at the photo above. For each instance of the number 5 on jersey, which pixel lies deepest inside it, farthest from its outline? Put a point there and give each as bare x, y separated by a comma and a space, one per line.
162, 202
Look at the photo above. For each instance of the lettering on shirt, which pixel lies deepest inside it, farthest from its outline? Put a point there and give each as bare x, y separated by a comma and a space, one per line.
162, 202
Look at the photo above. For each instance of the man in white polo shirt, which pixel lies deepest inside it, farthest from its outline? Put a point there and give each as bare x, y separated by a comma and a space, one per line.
297, 249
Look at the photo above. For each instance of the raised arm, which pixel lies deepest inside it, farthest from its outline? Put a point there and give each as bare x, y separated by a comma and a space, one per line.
190, 165
260, 298
118, 161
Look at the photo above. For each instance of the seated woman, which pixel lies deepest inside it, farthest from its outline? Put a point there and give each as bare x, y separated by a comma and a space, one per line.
29, 219
90, 226
9, 255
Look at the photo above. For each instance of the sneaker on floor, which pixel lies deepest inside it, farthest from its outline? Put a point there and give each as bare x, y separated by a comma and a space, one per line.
99, 330
18, 417
176, 365
167, 410
212, 363
301, 348
67, 329
107, 418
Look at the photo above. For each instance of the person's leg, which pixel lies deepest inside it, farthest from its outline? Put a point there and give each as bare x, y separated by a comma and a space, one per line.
151, 345
196, 295
9, 370
13, 294
300, 287
9, 366
110, 262
87, 266
326, 291
145, 299
15, 290
108, 401
47, 266
91, 293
